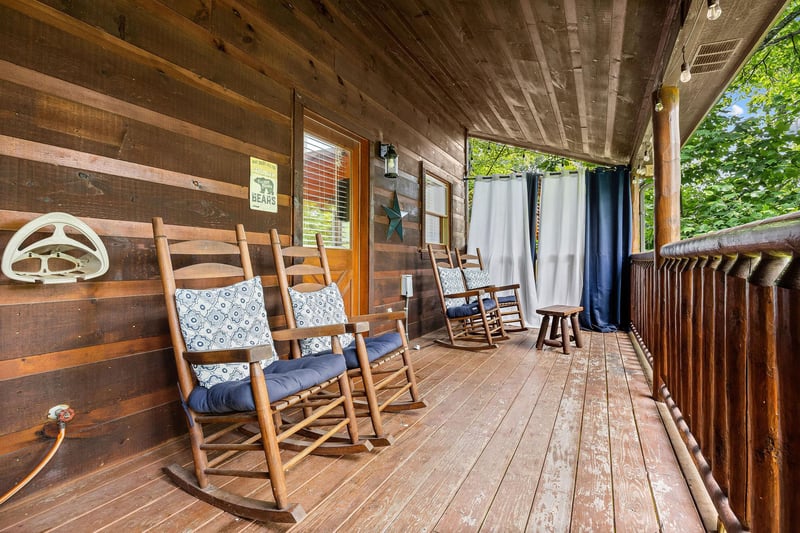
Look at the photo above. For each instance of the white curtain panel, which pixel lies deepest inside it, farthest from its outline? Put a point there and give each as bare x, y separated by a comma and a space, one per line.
499, 227
562, 227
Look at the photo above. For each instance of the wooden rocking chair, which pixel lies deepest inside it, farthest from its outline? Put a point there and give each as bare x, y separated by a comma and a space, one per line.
382, 362
477, 277
470, 315
232, 386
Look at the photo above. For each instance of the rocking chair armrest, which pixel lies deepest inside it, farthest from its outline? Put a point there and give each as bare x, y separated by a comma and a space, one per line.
356, 326
251, 354
375, 317
292, 334
500, 288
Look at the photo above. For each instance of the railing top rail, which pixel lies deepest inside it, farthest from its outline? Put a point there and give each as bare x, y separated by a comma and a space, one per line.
642, 256
779, 235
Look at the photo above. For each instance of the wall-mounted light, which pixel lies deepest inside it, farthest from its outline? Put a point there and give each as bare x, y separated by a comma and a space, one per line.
686, 74
714, 10
389, 155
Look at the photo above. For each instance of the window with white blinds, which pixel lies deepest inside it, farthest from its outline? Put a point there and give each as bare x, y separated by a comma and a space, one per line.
437, 211
327, 169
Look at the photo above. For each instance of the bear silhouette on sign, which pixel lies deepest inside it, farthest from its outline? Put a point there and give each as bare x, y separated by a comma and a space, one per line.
267, 186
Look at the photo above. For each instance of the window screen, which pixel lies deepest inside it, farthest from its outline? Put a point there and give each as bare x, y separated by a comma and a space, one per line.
327, 169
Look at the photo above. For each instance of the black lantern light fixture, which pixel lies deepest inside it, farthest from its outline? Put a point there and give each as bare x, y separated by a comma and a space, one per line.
389, 155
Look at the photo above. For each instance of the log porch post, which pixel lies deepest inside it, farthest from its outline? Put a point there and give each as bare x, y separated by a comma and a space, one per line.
667, 184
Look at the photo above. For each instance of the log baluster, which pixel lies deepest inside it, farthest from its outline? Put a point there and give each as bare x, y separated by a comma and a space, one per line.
765, 459
787, 348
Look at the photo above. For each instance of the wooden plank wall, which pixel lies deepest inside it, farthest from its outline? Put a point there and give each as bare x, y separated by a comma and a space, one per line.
122, 110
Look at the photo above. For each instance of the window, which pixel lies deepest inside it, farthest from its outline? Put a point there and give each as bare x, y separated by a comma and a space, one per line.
327, 169
437, 210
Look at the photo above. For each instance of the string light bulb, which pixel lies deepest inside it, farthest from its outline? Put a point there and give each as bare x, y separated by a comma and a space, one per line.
659, 105
714, 10
686, 74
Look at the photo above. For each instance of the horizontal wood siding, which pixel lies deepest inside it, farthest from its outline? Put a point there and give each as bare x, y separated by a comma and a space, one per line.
123, 110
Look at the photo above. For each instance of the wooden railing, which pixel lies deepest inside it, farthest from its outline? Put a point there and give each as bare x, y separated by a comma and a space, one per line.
720, 322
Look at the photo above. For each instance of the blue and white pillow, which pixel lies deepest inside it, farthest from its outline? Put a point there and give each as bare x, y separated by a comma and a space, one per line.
319, 308
452, 282
224, 318
476, 278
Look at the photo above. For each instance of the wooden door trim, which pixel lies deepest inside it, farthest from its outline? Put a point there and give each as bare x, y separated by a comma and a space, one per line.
304, 110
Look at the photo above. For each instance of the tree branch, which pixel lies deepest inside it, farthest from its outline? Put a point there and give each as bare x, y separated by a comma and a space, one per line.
499, 153
785, 21
783, 38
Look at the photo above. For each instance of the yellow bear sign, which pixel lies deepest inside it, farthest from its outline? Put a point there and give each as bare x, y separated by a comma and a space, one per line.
263, 185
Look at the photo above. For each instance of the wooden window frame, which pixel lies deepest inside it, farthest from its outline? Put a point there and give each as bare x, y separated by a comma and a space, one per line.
425, 171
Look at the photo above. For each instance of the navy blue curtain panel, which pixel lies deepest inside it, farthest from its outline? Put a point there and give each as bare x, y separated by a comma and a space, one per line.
533, 196
606, 282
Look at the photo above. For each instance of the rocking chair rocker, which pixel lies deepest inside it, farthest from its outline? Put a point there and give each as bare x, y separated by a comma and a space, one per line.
367, 358
470, 315
477, 277
233, 387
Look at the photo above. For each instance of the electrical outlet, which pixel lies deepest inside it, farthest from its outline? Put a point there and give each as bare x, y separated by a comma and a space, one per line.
52, 414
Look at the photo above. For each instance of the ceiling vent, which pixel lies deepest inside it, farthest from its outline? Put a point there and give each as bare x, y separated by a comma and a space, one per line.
712, 57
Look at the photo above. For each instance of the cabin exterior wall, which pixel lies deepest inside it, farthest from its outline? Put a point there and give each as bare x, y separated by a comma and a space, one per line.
120, 111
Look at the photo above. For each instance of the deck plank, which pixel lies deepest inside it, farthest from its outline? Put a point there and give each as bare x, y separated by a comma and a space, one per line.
460, 409
66, 502
469, 506
673, 500
592, 507
512, 439
511, 506
633, 501
557, 483
472, 452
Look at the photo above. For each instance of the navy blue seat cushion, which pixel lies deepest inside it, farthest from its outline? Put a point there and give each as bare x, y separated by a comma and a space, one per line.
283, 377
507, 299
470, 309
377, 347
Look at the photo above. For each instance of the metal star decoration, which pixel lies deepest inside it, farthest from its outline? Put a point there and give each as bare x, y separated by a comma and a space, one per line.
395, 217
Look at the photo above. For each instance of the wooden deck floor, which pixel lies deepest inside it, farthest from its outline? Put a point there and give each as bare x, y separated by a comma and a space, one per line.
513, 439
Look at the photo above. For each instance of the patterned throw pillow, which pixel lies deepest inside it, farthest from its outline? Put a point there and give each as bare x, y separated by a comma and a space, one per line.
476, 278
319, 308
452, 282
228, 317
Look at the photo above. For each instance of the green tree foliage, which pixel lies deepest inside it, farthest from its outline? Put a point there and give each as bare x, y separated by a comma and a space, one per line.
487, 158
740, 167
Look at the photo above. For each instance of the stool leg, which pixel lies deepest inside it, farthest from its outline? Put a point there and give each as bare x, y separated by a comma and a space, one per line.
542, 332
554, 328
576, 330
564, 335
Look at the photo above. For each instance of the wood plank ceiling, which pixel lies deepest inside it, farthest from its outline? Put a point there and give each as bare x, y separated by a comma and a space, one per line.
568, 77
